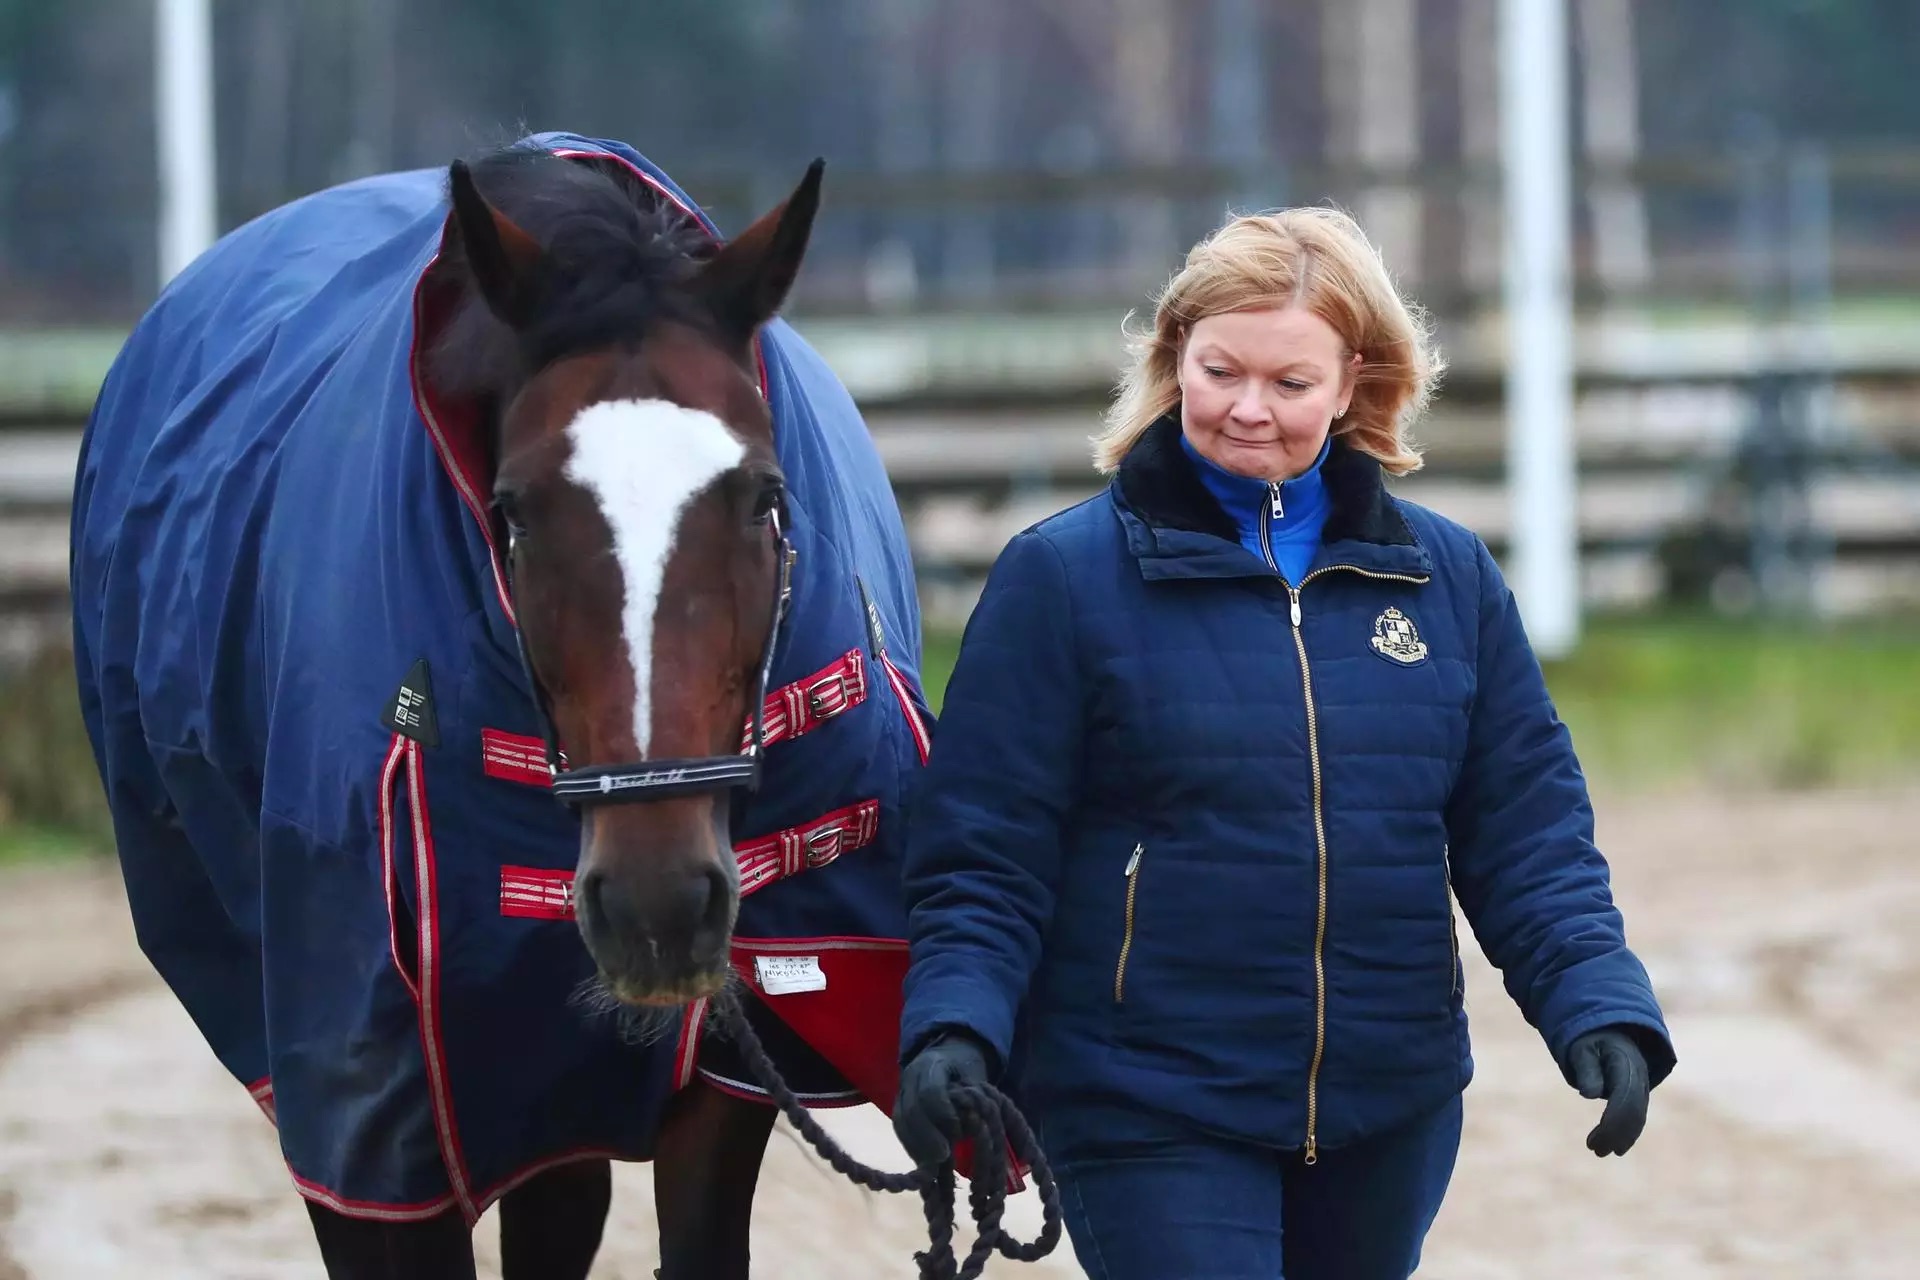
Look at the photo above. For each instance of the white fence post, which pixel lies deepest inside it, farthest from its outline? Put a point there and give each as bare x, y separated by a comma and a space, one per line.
1539, 320
183, 107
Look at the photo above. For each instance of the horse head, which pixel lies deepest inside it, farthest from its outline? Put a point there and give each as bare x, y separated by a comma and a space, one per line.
635, 478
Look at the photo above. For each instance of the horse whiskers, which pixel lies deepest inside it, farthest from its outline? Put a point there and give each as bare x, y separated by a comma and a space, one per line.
726, 1001
638, 1025
647, 1024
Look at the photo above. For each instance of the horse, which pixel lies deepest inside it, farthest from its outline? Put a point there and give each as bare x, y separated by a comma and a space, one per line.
410, 508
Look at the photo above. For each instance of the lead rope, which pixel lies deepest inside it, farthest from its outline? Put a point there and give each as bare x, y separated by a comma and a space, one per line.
989, 1118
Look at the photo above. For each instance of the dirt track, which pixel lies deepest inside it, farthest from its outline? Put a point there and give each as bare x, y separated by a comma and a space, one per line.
1784, 932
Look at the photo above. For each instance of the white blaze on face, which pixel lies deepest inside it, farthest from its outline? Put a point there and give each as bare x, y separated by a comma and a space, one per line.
643, 461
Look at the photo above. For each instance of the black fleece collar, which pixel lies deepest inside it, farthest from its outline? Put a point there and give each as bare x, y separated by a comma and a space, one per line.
1158, 483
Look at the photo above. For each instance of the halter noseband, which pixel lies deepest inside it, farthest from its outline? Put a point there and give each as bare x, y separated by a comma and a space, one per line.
646, 780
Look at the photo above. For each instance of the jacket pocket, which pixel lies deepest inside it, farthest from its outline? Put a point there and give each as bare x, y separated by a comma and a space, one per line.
1126, 935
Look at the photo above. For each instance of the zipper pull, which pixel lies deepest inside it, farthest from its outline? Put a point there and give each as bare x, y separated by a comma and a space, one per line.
1294, 593
1273, 496
1133, 863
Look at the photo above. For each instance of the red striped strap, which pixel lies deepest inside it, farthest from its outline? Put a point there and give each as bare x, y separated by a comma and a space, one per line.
812, 844
535, 893
539, 893
811, 701
514, 757
791, 710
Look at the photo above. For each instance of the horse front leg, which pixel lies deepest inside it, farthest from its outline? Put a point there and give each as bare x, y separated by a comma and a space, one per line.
438, 1248
705, 1167
551, 1225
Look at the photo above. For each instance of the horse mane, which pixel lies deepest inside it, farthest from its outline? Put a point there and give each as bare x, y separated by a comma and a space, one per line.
615, 253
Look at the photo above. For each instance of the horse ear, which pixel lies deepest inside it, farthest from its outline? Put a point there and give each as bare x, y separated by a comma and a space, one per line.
504, 260
748, 279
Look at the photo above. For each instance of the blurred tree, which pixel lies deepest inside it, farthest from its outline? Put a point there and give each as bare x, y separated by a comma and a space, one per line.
733, 95
77, 189
1853, 61
24, 25
1609, 113
697, 82
1839, 70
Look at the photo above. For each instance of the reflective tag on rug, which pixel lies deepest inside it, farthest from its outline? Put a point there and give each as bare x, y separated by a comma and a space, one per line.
784, 975
410, 711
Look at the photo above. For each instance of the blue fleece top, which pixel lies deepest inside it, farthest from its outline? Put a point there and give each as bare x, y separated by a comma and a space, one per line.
1289, 515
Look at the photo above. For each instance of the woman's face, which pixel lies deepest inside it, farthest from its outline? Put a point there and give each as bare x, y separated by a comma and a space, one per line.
1259, 389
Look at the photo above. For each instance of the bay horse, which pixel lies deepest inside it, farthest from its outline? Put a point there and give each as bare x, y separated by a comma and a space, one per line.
409, 508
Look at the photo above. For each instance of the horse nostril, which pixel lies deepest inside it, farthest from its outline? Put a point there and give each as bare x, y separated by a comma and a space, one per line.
589, 900
710, 905
586, 894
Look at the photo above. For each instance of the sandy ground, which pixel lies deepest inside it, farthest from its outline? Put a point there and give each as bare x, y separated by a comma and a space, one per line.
1783, 931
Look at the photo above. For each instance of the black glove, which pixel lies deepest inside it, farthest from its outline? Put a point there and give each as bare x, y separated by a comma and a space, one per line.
924, 1118
1608, 1064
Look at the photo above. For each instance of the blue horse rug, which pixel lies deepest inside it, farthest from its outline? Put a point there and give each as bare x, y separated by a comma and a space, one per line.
298, 668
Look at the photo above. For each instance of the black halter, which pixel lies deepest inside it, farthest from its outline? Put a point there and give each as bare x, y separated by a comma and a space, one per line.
645, 780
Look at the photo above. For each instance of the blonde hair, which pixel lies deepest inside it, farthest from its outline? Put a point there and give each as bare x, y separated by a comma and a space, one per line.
1313, 257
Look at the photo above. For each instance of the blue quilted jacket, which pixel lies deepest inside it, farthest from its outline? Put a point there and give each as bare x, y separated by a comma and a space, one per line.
1190, 836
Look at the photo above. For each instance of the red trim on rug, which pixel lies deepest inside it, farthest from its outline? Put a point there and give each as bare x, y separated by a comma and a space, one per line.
825, 942
431, 414
528, 1173
378, 1211
431, 1041
687, 1052
387, 771
369, 1210
903, 690
261, 1091
734, 1089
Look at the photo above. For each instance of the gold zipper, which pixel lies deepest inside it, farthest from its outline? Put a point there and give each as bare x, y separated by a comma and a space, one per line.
1126, 939
1320, 848
1320, 914
1417, 578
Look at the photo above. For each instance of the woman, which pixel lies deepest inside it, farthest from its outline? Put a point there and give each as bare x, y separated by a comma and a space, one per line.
1221, 746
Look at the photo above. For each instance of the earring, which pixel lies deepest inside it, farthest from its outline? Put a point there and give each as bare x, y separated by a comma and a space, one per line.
1340, 414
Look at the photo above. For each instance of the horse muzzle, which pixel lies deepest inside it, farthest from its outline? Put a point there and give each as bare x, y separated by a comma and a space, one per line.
660, 939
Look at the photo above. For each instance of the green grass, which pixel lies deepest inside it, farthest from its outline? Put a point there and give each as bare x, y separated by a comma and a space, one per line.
1665, 703
50, 797
22, 843
939, 649
1680, 702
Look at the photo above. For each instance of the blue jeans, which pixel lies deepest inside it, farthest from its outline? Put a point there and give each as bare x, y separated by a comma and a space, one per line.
1198, 1207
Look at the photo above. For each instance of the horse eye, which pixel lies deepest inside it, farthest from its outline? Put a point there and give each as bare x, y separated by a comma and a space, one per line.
508, 505
766, 502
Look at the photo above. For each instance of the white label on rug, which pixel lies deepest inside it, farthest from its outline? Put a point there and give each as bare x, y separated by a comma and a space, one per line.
784, 975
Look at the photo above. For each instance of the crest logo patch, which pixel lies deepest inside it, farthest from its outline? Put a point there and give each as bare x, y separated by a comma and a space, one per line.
1396, 638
